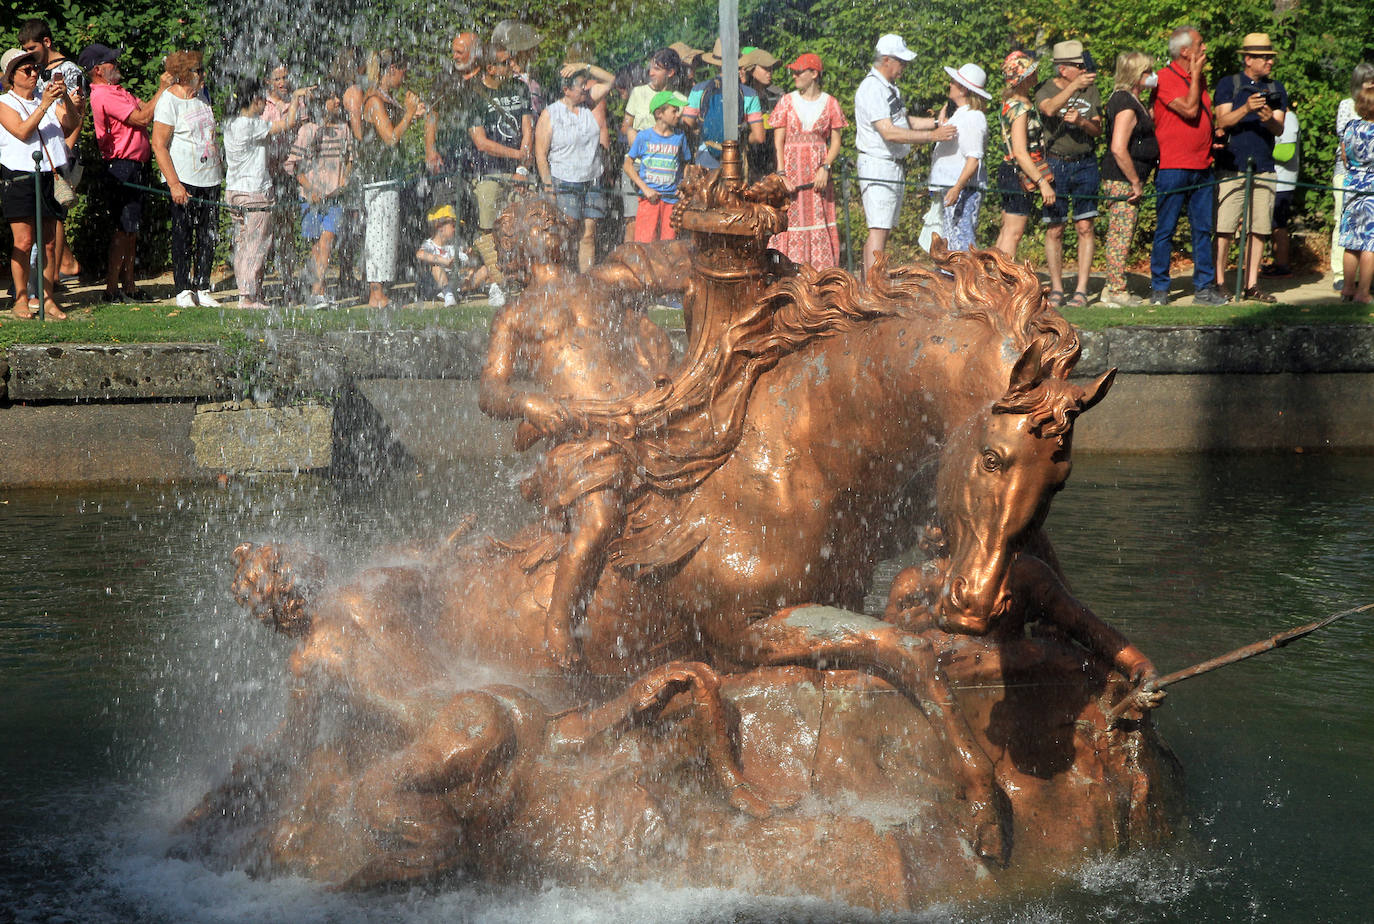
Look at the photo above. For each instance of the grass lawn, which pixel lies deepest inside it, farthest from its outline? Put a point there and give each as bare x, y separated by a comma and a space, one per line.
164, 323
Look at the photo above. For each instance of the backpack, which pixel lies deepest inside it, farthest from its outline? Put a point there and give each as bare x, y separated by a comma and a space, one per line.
713, 117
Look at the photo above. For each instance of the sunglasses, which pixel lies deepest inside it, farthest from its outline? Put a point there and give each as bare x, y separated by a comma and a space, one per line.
26, 69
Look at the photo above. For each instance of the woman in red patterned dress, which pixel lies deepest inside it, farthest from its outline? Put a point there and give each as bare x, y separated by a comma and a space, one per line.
806, 127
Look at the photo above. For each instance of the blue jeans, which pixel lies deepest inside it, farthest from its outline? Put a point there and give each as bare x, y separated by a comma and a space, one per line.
1170, 204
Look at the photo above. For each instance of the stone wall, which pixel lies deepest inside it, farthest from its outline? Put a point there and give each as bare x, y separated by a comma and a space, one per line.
351, 402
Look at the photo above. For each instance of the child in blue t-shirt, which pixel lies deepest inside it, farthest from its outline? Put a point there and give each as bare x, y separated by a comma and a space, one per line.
654, 164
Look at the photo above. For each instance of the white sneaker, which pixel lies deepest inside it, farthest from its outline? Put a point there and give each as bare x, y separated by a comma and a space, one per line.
186, 299
206, 300
449, 300
495, 297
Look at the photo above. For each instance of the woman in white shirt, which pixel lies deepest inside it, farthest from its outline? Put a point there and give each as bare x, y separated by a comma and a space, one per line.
33, 125
957, 174
187, 153
248, 182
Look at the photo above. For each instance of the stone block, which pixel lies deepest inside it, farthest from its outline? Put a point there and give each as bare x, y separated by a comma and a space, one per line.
242, 437
96, 372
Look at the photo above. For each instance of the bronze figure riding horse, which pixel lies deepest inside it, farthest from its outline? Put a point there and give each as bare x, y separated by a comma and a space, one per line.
937, 395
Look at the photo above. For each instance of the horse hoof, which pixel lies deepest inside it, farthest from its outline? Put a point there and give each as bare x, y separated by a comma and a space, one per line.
991, 834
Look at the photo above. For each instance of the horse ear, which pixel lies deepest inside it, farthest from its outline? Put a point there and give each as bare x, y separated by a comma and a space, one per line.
1026, 373
1099, 388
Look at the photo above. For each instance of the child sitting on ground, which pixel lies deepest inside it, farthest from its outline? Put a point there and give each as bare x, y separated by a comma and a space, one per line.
446, 270
654, 164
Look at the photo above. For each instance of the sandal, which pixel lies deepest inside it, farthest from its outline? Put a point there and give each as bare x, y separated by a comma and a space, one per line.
1079, 300
1256, 294
1055, 299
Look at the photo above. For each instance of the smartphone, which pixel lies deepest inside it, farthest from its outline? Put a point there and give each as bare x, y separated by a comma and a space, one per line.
1089, 64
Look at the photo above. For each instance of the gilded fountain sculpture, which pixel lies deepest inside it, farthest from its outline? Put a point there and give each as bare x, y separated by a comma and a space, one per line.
668, 675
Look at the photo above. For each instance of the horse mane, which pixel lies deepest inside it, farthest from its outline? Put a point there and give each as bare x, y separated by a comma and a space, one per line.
688, 430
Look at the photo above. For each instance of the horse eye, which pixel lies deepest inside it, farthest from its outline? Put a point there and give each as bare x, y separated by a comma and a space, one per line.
992, 462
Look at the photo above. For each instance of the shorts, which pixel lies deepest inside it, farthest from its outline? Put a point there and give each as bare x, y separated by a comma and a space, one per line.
629, 197
17, 199
1077, 180
1015, 200
882, 183
1287, 204
125, 202
493, 194
1231, 203
317, 218
580, 200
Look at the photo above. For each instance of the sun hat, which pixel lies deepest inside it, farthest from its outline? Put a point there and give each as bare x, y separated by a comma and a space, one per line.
1257, 43
666, 98
1068, 52
96, 54
892, 46
971, 77
515, 36
1017, 65
806, 62
757, 57
686, 53
12, 59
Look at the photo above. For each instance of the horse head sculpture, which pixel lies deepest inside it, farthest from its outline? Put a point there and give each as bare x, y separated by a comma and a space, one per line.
998, 474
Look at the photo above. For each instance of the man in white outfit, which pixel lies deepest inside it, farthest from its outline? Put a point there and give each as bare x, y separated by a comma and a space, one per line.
884, 135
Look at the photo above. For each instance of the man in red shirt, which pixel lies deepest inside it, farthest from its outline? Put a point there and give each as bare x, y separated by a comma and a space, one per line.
1183, 126
121, 133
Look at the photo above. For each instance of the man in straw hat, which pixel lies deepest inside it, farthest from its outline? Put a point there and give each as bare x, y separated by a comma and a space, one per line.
1183, 126
884, 136
705, 113
1071, 109
1250, 109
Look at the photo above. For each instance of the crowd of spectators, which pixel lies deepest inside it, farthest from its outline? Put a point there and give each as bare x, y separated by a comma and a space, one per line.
325, 164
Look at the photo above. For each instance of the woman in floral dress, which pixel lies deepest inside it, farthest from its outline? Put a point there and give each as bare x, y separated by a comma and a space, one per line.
806, 127
1357, 223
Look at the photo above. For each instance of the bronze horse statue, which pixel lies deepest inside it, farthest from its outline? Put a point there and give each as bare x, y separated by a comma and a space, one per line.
930, 396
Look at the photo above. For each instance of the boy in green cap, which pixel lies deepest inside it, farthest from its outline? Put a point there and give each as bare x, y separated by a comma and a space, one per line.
654, 164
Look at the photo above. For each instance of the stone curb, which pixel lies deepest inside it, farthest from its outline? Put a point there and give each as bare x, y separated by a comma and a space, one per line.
293, 364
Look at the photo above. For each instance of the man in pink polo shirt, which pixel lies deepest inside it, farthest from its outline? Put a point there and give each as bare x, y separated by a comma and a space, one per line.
1183, 127
121, 132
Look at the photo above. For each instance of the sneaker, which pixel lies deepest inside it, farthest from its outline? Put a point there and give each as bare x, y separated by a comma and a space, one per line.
206, 300
1338, 285
316, 301
1119, 298
1211, 295
495, 297
1159, 296
1276, 271
449, 300
138, 295
112, 298
186, 299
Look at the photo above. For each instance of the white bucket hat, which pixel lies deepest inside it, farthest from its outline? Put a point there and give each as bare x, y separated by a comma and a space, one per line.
971, 77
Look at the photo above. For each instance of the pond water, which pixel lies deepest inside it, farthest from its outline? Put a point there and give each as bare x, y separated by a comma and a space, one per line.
129, 679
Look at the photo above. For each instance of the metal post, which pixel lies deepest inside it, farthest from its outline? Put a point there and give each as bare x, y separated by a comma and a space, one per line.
38, 230
729, 67
1245, 228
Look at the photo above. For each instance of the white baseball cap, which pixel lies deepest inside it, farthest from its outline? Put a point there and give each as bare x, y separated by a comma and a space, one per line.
893, 46
971, 77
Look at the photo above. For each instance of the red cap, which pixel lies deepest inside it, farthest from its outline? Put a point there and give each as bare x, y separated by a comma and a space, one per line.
806, 62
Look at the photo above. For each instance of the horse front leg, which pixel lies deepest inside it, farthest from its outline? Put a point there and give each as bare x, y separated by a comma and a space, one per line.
661, 694
825, 637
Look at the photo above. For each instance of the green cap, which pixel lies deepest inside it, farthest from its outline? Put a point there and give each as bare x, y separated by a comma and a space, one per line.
666, 98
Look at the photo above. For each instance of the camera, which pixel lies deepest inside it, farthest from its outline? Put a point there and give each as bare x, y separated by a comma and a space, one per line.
1273, 100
